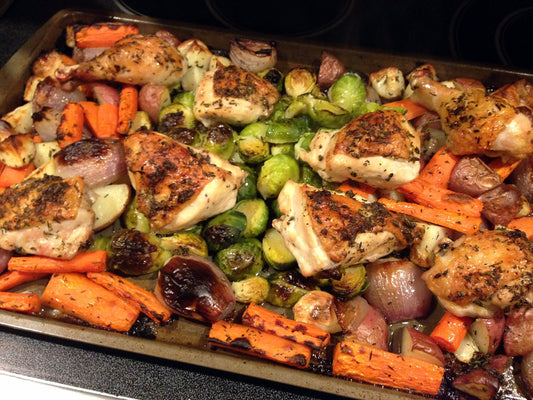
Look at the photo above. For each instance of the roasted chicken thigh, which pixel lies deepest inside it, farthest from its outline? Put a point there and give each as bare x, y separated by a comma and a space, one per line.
49, 216
178, 186
380, 148
325, 230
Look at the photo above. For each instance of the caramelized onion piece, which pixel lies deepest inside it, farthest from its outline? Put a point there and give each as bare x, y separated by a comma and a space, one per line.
253, 55
196, 288
98, 161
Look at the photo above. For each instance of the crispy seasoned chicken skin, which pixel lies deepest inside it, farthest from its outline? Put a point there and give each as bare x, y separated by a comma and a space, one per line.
234, 96
324, 230
178, 186
379, 148
483, 272
476, 123
49, 216
135, 59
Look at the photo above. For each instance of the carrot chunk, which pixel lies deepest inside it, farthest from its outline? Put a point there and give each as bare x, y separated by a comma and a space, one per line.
255, 342
147, 301
503, 168
413, 109
127, 108
90, 111
439, 168
279, 325
11, 279
524, 224
21, 302
107, 120
369, 364
70, 127
103, 35
357, 188
89, 261
75, 294
11, 176
450, 331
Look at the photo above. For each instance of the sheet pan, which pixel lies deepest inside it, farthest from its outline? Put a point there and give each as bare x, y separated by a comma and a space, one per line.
185, 341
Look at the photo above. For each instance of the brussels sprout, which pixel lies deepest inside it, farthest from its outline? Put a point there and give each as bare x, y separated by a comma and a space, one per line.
224, 229
296, 108
134, 219
366, 108
274, 76
304, 143
287, 149
326, 114
256, 212
251, 143
184, 135
185, 98
348, 92
136, 253
351, 283
275, 252
140, 121
251, 290
273, 205
185, 243
280, 108
220, 139
275, 172
241, 259
176, 115
248, 190
279, 132
310, 177
300, 81
287, 287
101, 243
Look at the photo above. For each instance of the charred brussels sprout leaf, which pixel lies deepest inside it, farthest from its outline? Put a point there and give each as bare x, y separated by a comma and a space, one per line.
185, 243
136, 253
176, 115
287, 287
241, 259
310, 177
251, 290
275, 172
224, 229
348, 92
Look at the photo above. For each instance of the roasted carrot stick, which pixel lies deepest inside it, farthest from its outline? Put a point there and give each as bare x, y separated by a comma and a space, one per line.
103, 35
525, 224
357, 188
127, 108
11, 279
76, 295
11, 176
89, 261
255, 342
450, 331
21, 302
70, 127
147, 301
428, 195
369, 364
413, 109
107, 120
439, 168
90, 111
503, 168
447, 219
279, 325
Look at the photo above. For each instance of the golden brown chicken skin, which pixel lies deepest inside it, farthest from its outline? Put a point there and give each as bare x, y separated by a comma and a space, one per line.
325, 230
234, 96
47, 216
483, 272
135, 59
178, 186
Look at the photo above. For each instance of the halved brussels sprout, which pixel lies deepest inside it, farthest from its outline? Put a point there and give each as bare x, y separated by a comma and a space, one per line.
325, 113
280, 132
140, 121
287, 148
176, 115
241, 259
248, 190
224, 229
276, 253
251, 143
300, 81
351, 283
256, 212
185, 243
220, 139
304, 143
134, 219
275, 172
251, 290
287, 287
185, 98
310, 177
274, 76
348, 92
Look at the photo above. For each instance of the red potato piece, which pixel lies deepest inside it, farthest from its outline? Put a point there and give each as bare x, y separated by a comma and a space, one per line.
418, 345
152, 99
479, 383
526, 373
373, 330
501, 204
103, 93
488, 333
331, 68
473, 177
518, 335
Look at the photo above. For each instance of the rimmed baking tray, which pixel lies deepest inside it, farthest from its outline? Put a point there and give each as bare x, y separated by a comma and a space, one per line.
183, 340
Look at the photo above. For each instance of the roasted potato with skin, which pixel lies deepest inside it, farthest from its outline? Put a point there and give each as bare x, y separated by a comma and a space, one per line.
473, 177
502, 204
331, 68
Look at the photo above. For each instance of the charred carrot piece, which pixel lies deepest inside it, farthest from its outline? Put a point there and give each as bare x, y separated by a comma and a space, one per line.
524, 224
450, 331
103, 35
439, 168
20, 302
11, 279
70, 127
503, 168
76, 295
300, 332
147, 301
369, 364
90, 112
127, 108
11, 176
357, 188
255, 342
447, 219
89, 261
413, 109
107, 120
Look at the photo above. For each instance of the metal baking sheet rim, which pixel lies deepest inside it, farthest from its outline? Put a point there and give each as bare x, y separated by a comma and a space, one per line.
13, 76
